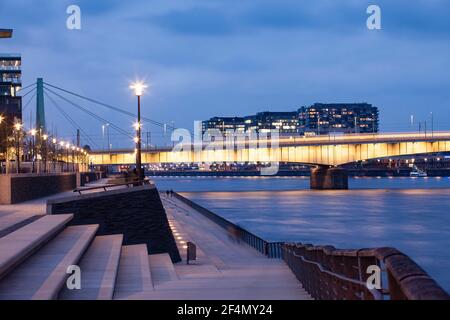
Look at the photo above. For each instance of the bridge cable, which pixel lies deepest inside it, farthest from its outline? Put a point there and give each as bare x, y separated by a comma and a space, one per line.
28, 102
121, 110
23, 96
100, 119
26, 87
70, 120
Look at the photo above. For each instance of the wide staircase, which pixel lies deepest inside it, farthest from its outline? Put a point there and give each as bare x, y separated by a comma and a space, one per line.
37, 254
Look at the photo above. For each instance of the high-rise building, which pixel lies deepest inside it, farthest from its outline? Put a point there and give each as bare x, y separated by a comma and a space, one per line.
320, 118
10, 84
6, 33
224, 124
325, 118
285, 122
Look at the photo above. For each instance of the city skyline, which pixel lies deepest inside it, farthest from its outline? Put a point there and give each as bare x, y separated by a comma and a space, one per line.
206, 59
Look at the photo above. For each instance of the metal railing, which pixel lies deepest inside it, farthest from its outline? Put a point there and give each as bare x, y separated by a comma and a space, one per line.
272, 250
329, 273
105, 187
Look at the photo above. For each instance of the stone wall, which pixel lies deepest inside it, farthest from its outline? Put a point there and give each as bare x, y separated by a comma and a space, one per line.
135, 212
17, 188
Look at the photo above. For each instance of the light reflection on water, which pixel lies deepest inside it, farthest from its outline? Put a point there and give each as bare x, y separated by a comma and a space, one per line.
414, 220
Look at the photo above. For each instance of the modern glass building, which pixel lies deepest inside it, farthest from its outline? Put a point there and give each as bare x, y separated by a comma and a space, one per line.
325, 118
318, 119
6, 33
224, 124
285, 122
10, 101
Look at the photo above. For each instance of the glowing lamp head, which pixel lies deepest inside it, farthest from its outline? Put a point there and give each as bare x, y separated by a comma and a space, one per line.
136, 139
17, 126
138, 88
54, 141
136, 125
33, 132
45, 137
68, 145
1, 119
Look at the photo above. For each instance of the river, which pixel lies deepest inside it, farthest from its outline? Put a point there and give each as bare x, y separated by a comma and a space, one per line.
411, 214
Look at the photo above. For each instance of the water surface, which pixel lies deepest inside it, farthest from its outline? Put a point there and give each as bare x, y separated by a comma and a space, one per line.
411, 214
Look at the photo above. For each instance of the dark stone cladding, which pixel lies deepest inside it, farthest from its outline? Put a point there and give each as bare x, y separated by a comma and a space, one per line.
135, 212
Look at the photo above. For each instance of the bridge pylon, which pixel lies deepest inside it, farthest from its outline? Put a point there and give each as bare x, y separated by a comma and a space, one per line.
40, 109
328, 178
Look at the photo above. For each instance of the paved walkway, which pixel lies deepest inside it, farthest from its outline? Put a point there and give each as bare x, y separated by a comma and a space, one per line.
225, 268
10, 214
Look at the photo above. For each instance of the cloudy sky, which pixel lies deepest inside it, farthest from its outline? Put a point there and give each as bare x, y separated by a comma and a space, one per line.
222, 57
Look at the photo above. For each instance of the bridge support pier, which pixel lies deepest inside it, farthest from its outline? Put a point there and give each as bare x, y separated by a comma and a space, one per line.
328, 178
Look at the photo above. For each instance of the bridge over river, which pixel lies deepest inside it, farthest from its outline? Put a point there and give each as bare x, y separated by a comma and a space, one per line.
325, 152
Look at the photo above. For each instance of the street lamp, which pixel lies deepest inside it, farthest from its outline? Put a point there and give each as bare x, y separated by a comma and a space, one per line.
17, 129
432, 124
33, 134
73, 158
67, 156
45, 138
138, 88
2, 134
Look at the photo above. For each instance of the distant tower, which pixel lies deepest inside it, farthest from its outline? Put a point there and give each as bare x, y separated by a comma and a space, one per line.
40, 110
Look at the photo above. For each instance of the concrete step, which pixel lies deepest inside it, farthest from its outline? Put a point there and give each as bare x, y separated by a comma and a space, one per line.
42, 276
161, 268
13, 222
20, 244
133, 277
99, 270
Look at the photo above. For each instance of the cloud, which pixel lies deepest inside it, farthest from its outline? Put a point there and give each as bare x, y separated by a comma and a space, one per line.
195, 21
220, 57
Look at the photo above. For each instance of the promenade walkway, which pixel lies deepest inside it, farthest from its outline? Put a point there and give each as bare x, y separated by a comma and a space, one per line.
224, 269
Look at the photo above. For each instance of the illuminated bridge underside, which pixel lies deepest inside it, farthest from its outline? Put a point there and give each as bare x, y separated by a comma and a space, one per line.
321, 154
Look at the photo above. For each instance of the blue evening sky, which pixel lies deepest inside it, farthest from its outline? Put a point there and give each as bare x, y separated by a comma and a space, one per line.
222, 57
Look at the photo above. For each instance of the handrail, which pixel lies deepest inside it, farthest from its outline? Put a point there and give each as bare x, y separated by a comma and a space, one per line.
270, 249
377, 295
330, 273
105, 186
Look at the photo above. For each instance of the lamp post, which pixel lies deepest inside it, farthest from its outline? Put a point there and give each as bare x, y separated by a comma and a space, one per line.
62, 144
67, 156
17, 129
33, 148
432, 124
73, 159
54, 153
44, 146
138, 90
2, 136
1, 141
